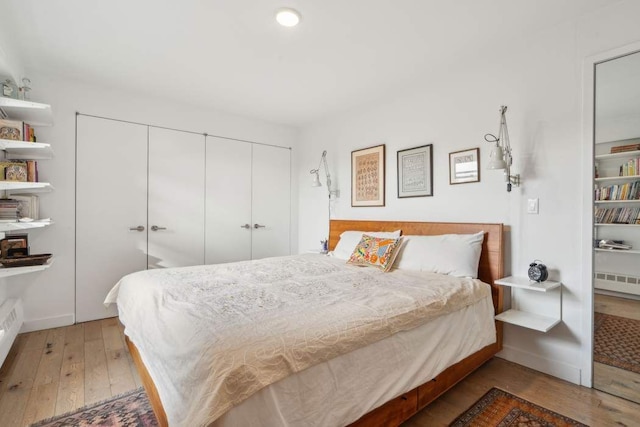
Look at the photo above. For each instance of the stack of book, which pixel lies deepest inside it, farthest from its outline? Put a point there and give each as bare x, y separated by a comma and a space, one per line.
631, 168
19, 170
617, 215
9, 210
623, 148
28, 205
613, 244
15, 130
627, 191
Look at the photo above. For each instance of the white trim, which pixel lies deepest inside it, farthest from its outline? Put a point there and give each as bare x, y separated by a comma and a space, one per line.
548, 366
48, 323
587, 254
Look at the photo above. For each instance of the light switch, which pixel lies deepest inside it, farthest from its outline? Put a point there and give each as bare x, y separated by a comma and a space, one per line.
532, 206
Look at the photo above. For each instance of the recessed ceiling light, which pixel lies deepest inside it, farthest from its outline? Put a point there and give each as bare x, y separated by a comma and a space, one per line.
287, 17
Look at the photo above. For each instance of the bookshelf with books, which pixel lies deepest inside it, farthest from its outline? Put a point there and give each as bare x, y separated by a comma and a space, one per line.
19, 207
616, 212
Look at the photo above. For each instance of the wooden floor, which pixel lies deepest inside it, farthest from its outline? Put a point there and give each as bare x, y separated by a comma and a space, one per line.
58, 370
55, 371
607, 378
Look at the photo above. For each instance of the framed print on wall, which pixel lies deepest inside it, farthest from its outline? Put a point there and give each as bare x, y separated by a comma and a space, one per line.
464, 166
367, 176
415, 172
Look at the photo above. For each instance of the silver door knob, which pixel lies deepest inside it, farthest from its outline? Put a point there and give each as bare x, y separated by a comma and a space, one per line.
156, 228
138, 228
246, 226
258, 226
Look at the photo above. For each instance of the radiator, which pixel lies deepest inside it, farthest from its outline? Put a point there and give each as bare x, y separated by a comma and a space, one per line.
11, 318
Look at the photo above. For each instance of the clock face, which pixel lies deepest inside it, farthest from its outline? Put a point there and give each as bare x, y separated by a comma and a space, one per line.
535, 273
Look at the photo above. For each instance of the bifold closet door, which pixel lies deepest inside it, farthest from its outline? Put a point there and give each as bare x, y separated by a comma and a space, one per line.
270, 201
176, 198
111, 210
228, 201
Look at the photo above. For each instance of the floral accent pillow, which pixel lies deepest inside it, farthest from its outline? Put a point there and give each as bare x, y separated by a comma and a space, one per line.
378, 252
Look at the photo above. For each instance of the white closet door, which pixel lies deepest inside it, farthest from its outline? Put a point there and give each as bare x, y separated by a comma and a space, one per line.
228, 201
176, 198
111, 198
271, 201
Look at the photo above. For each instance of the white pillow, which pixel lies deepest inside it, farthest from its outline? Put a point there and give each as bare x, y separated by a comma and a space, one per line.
454, 254
350, 239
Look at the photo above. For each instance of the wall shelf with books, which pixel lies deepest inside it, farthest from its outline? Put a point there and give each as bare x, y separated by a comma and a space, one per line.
14, 271
618, 251
604, 224
616, 201
26, 149
622, 155
19, 209
21, 226
617, 178
25, 186
34, 113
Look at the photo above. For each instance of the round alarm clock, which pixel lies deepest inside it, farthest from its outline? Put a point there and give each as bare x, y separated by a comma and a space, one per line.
538, 271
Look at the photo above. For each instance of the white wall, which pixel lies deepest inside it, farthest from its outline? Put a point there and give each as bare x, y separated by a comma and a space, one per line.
49, 296
540, 79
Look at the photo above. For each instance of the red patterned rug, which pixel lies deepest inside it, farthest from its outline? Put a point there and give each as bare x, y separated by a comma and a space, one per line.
617, 342
498, 408
126, 410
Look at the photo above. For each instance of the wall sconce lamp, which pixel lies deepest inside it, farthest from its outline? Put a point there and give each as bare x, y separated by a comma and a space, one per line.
316, 176
500, 157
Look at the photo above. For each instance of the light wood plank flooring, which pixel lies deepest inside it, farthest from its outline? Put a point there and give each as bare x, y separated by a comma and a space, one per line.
55, 371
619, 382
58, 370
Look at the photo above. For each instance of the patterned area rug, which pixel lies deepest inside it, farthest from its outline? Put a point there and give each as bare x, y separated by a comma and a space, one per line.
617, 342
126, 410
498, 408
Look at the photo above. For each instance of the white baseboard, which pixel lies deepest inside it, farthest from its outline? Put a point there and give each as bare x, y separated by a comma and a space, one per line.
47, 323
552, 367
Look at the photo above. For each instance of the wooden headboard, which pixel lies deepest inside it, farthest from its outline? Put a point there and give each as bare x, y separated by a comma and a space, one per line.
490, 268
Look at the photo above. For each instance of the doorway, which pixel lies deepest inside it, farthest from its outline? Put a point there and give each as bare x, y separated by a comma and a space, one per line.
616, 220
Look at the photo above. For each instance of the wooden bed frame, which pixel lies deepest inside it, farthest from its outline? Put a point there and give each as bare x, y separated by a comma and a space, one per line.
397, 410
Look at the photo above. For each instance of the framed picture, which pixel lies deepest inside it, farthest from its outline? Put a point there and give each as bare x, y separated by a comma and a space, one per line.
367, 176
464, 166
415, 172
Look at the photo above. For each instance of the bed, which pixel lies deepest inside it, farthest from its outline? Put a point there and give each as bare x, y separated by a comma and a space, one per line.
380, 374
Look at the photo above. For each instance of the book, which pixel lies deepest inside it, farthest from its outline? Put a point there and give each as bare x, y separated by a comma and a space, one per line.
623, 148
613, 244
28, 205
11, 129
32, 171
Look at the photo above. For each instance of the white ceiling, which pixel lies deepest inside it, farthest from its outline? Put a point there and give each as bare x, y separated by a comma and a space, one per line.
231, 55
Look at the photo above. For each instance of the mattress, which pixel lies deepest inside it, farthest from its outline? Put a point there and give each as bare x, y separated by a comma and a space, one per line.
264, 335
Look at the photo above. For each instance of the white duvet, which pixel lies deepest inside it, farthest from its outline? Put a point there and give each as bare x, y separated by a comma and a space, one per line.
212, 336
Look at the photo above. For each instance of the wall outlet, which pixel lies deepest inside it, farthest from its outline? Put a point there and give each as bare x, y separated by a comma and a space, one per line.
532, 206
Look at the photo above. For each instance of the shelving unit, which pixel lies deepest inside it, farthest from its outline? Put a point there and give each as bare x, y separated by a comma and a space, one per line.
597, 202
540, 308
625, 154
14, 271
26, 150
21, 226
619, 262
618, 178
34, 114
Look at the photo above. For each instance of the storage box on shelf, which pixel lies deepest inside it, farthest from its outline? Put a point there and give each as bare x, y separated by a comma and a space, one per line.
28, 114
538, 307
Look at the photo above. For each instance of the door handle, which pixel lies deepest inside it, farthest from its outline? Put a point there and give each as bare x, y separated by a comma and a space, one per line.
246, 226
258, 226
138, 228
156, 228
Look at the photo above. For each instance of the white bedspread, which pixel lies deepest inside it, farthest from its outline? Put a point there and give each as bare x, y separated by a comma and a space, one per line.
211, 336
